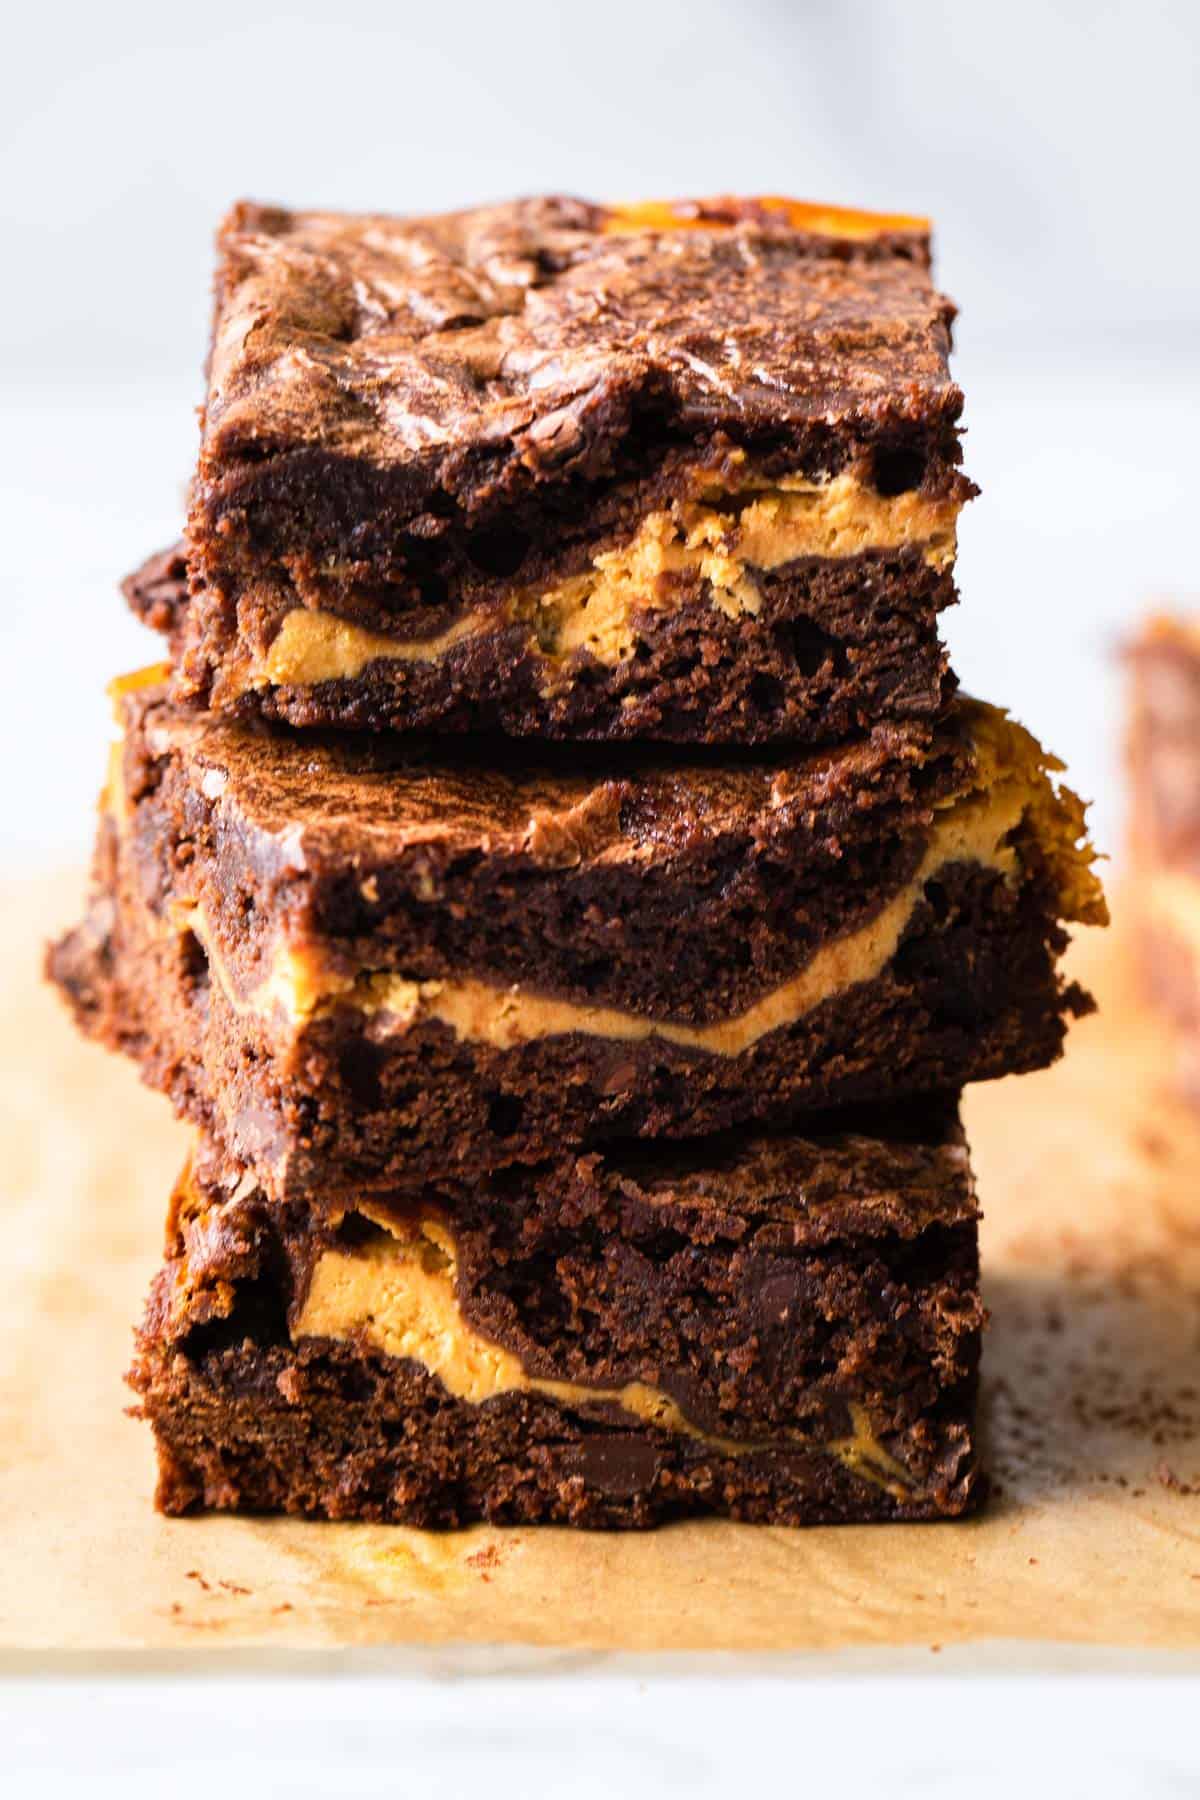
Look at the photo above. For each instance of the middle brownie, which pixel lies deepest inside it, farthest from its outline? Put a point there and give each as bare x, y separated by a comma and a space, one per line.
360, 965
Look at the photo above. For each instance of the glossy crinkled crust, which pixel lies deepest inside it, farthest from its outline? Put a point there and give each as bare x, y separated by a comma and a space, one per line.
572, 873
476, 355
419, 426
518, 864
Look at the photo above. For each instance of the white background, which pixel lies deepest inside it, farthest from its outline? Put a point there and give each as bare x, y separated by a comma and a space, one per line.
1056, 148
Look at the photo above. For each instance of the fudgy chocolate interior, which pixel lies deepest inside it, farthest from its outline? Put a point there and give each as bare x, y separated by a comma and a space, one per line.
492, 862
768, 1286
335, 1103
834, 648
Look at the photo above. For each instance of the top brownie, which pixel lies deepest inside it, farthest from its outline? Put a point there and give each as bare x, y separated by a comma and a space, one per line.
413, 421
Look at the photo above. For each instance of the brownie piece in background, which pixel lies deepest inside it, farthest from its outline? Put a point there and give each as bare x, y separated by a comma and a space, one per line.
1163, 826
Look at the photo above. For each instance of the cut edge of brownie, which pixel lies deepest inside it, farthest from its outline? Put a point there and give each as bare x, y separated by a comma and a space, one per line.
828, 650
355, 1436
972, 993
584, 1349
358, 1070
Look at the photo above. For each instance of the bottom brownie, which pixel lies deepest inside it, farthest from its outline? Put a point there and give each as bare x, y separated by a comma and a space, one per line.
782, 1330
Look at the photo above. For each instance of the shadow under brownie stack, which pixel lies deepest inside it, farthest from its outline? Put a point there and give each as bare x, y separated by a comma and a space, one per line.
558, 881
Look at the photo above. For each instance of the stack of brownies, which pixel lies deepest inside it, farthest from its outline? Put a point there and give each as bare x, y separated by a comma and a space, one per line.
556, 877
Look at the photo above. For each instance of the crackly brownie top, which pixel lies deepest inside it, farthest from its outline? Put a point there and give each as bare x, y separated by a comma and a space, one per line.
380, 834
333, 799
537, 334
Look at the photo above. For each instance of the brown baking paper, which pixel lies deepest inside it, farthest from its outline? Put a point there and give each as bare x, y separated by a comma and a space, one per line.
1089, 1179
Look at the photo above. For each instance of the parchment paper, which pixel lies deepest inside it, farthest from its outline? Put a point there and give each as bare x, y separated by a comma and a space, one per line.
1090, 1179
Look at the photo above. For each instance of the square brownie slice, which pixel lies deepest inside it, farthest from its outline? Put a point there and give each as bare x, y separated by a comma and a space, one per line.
784, 1330
671, 472
361, 961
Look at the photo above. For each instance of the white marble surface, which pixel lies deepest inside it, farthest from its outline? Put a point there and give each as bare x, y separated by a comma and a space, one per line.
985, 1726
